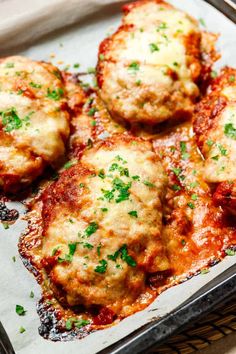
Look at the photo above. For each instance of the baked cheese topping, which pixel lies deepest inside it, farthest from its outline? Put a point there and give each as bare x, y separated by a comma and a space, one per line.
220, 145
34, 124
105, 224
149, 66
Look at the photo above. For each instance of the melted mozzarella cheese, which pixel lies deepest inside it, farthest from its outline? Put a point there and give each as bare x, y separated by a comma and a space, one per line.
32, 117
221, 154
112, 213
147, 74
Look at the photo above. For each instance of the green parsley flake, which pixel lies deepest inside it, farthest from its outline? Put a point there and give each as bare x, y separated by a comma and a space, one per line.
22, 329
12, 121
102, 267
176, 187
126, 257
34, 85
133, 213
104, 210
210, 142
231, 78
76, 65
177, 171
194, 197
91, 70
20, 310
191, 205
204, 271
68, 257
69, 164
75, 322
153, 47
101, 57
101, 174
136, 178
134, 66
202, 22
92, 111
230, 252
149, 184
88, 246
213, 74
91, 229
9, 65
56, 94
230, 131
31, 295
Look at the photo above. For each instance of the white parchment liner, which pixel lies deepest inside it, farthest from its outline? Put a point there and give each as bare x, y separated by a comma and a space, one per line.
79, 44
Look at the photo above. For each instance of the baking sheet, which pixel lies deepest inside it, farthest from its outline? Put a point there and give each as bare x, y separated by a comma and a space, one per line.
79, 44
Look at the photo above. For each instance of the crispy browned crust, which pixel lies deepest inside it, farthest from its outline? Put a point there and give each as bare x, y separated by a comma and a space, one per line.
208, 109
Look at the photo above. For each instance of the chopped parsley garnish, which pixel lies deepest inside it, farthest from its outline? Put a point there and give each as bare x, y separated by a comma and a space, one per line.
194, 196
113, 257
133, 213
109, 195
230, 131
134, 66
93, 123
202, 22
123, 171
92, 111
88, 246
193, 184
216, 157
99, 249
223, 151
14, 259
20, 310
122, 188
119, 158
104, 210
210, 142
22, 329
102, 267
91, 229
12, 121
56, 94
32, 84
69, 164
9, 65
162, 26
183, 242
31, 295
231, 78
76, 65
68, 257
101, 174
183, 149
177, 171
230, 252
123, 253
191, 205
136, 178
149, 184
176, 187
153, 47
91, 70
126, 257
76, 322
205, 271
101, 57
138, 82
213, 74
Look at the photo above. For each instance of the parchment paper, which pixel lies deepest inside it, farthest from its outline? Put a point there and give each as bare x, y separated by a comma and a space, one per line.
79, 44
